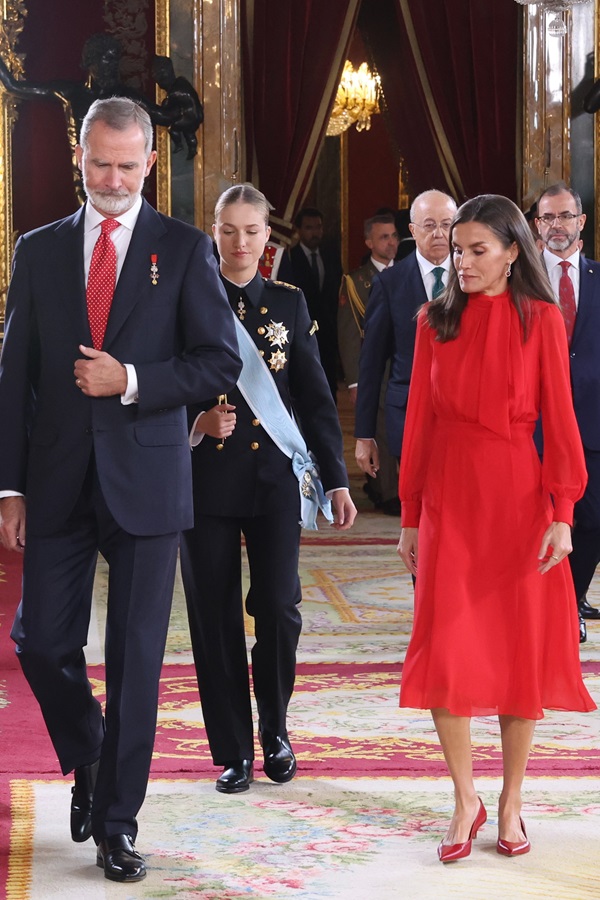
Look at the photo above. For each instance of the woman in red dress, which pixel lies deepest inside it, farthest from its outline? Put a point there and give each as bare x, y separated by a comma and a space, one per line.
485, 524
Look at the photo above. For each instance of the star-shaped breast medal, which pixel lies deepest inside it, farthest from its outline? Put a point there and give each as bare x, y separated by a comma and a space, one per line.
277, 335
277, 361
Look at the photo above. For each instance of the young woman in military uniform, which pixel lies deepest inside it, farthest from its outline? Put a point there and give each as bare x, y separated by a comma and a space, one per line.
245, 484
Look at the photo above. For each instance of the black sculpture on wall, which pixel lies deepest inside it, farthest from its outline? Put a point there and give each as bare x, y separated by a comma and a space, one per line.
181, 111
182, 102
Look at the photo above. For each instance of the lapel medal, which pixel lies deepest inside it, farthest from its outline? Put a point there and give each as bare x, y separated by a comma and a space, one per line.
154, 268
241, 309
277, 335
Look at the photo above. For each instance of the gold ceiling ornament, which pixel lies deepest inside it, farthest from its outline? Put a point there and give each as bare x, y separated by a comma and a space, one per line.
357, 99
557, 26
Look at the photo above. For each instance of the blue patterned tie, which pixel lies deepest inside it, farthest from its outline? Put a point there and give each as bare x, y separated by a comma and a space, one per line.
438, 284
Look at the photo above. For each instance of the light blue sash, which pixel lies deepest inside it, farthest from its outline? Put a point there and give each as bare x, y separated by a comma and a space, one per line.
260, 393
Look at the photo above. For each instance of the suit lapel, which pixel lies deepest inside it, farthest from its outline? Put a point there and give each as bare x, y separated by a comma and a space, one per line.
416, 286
145, 242
588, 285
70, 233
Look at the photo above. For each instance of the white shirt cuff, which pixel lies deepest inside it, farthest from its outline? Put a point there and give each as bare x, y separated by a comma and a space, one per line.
196, 436
131, 392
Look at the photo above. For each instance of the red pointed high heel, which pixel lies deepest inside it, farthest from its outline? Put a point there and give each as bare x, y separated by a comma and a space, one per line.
452, 852
514, 848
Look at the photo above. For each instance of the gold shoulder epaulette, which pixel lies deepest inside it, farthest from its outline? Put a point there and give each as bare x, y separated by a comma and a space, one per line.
283, 284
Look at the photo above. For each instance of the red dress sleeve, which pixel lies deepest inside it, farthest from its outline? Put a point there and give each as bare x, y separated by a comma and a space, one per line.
418, 429
564, 473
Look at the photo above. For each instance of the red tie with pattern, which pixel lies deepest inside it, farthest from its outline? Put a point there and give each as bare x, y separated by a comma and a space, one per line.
566, 296
102, 278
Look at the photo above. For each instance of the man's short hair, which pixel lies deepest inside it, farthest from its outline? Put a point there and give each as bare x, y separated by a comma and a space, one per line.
119, 113
308, 212
377, 220
559, 188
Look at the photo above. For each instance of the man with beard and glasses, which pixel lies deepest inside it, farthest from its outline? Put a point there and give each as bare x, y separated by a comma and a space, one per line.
576, 284
115, 320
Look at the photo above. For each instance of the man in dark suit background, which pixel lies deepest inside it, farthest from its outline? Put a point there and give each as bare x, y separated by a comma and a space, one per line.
390, 326
381, 239
95, 439
576, 283
317, 271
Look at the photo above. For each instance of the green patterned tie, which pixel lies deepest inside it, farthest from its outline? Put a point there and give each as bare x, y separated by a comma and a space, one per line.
438, 284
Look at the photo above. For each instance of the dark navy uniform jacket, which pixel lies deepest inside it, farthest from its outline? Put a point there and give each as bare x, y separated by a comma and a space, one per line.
250, 475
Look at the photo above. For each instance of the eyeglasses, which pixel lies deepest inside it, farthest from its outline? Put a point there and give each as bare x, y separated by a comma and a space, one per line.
430, 227
563, 218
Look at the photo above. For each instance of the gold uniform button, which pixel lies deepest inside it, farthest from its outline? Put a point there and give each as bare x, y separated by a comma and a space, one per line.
256, 422
261, 330
262, 352
254, 445
264, 310
220, 446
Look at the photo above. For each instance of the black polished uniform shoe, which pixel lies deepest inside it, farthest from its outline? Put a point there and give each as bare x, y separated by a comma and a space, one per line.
280, 763
236, 777
119, 859
582, 630
82, 794
586, 610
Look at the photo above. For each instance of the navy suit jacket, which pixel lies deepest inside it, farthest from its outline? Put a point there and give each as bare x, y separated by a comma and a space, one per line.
585, 355
322, 302
179, 334
390, 331
250, 475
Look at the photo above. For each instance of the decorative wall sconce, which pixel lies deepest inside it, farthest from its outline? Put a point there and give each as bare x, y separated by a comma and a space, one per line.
357, 99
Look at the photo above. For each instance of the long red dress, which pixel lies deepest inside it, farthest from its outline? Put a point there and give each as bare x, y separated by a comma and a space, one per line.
491, 635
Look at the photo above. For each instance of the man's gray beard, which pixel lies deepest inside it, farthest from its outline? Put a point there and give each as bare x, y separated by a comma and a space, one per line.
561, 241
111, 204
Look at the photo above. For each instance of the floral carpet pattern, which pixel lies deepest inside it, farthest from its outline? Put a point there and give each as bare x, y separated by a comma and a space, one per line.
354, 839
361, 820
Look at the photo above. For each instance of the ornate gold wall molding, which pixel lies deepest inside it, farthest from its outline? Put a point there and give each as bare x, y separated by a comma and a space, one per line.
13, 13
218, 81
546, 105
162, 43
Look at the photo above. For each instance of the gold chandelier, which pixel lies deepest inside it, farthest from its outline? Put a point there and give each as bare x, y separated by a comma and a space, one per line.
357, 99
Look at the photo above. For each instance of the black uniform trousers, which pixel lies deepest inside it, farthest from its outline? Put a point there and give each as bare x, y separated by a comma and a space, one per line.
51, 629
586, 530
212, 576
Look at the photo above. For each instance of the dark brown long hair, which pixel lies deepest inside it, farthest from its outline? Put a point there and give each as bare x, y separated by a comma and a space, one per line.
529, 279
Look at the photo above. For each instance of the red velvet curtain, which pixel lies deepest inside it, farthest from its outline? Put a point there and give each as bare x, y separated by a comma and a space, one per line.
449, 71
293, 58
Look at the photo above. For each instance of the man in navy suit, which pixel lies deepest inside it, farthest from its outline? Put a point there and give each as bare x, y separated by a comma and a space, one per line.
560, 221
95, 439
317, 270
390, 326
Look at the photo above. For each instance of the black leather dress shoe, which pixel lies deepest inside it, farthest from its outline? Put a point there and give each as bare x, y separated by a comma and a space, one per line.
280, 763
236, 777
586, 610
582, 630
119, 859
82, 794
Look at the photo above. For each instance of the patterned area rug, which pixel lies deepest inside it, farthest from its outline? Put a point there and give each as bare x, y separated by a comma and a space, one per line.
364, 815
358, 839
